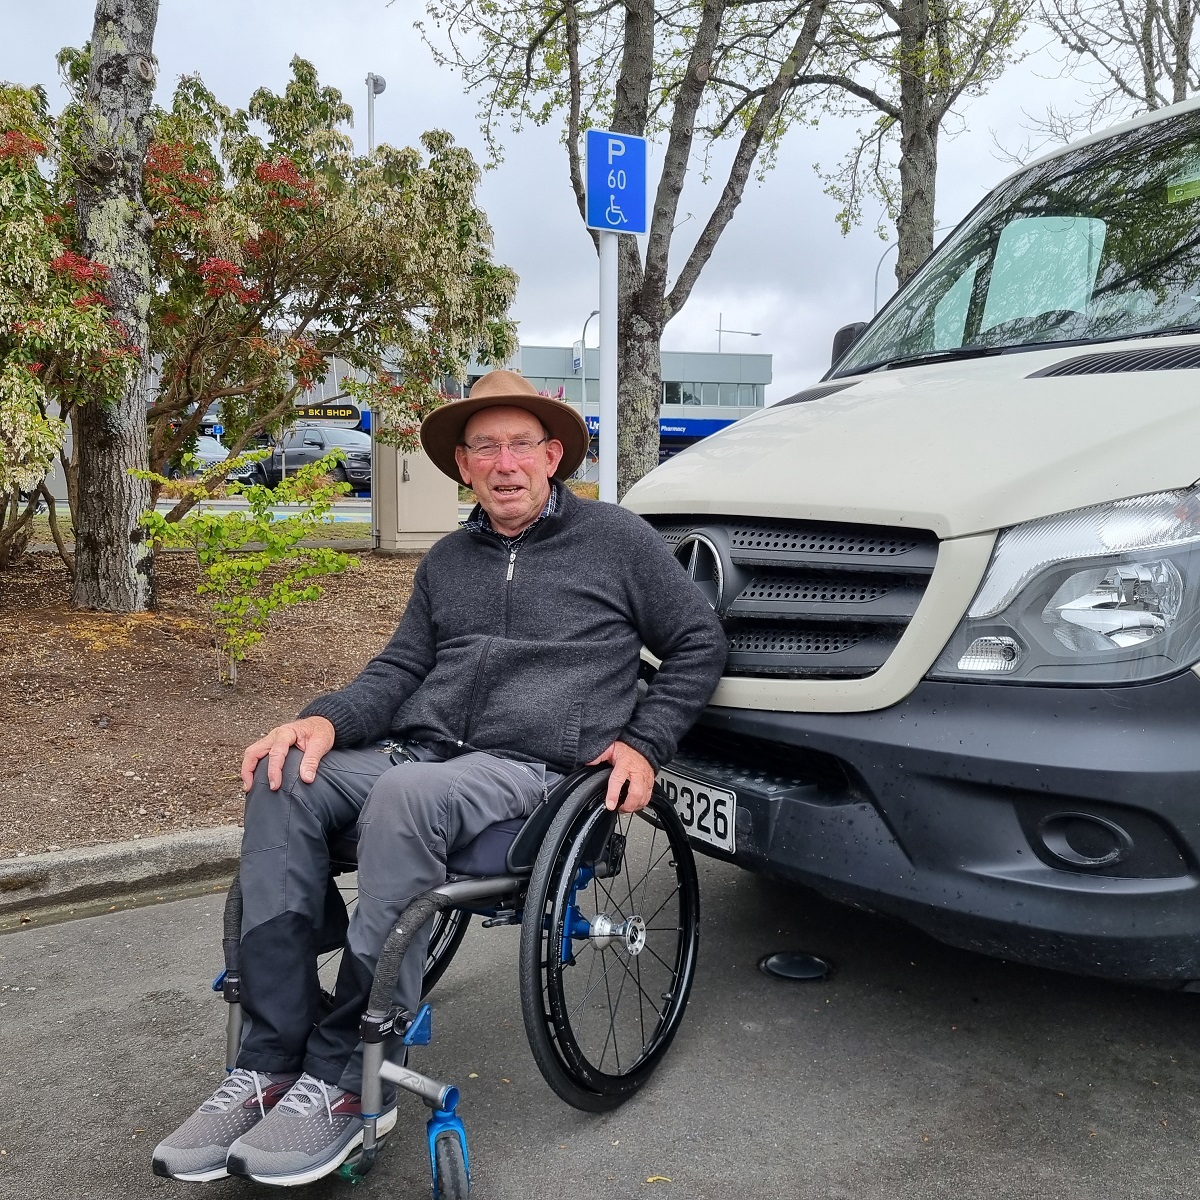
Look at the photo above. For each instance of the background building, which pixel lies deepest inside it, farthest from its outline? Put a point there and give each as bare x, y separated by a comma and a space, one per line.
701, 392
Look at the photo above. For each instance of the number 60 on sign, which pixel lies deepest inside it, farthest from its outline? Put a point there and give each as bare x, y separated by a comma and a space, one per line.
708, 813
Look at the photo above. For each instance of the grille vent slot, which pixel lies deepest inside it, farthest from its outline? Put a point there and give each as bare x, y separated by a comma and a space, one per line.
814, 393
818, 541
811, 599
1161, 358
793, 643
773, 586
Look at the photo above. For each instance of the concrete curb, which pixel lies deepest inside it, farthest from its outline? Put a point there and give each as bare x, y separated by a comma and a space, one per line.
115, 874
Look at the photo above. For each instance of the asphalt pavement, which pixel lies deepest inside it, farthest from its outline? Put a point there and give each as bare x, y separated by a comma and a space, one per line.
916, 1071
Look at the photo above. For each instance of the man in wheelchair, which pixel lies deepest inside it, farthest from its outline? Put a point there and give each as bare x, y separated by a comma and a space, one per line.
516, 662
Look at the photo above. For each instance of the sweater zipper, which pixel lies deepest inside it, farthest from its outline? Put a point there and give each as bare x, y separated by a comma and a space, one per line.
483, 656
512, 562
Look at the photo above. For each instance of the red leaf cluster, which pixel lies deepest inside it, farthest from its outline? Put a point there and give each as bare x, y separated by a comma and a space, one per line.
164, 158
20, 146
80, 269
88, 299
283, 173
282, 170
165, 174
223, 278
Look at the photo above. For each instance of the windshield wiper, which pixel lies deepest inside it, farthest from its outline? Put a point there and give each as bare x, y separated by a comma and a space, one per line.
1194, 327
936, 356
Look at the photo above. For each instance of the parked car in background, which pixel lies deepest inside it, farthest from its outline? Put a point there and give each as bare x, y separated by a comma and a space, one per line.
210, 452
960, 579
305, 443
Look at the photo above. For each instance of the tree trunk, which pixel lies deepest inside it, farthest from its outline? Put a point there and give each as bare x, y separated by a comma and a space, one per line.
1149, 66
639, 369
639, 372
918, 142
113, 563
1181, 49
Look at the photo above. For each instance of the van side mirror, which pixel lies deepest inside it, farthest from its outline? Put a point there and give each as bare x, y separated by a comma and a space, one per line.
845, 338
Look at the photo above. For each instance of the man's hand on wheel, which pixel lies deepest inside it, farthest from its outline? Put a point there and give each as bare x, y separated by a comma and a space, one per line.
313, 735
631, 774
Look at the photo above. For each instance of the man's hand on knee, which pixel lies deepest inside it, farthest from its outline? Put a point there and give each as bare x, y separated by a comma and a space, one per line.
312, 735
632, 778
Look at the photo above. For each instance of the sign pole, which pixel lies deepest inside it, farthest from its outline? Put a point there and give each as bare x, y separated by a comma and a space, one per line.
616, 203
375, 86
608, 366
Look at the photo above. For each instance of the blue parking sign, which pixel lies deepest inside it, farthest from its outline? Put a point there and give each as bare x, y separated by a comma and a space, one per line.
616, 182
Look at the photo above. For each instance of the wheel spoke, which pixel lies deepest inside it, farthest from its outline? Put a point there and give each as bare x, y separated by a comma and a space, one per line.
637, 963
660, 958
625, 968
651, 868
604, 1048
632, 909
612, 1016
673, 893
594, 986
649, 858
616, 904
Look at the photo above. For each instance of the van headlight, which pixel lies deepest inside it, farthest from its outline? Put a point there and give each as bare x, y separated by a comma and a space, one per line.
1101, 595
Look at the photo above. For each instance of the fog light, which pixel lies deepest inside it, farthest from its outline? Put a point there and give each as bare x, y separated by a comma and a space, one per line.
1085, 840
997, 654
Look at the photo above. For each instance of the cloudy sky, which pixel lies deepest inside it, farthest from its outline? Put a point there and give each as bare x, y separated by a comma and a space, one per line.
782, 268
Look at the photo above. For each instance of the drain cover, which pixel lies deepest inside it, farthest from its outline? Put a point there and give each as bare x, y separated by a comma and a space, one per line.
795, 965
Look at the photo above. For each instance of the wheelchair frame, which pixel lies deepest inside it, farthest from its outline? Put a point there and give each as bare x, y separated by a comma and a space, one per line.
568, 844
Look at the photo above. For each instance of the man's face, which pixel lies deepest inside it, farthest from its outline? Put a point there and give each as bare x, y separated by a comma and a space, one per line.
511, 488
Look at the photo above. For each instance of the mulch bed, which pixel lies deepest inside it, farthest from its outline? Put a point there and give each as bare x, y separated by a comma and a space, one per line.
115, 727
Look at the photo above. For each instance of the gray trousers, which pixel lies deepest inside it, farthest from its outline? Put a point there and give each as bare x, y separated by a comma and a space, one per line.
408, 818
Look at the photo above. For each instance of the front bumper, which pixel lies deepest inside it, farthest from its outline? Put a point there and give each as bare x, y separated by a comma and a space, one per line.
1054, 826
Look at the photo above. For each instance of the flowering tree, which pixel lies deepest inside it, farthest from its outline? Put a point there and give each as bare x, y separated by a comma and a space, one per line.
275, 248
60, 344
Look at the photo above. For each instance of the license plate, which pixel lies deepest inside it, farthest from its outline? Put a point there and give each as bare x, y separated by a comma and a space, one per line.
708, 813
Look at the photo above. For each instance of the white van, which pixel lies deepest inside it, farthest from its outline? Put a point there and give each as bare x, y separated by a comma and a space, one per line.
960, 579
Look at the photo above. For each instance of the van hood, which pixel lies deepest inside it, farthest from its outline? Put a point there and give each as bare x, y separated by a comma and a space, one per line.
959, 448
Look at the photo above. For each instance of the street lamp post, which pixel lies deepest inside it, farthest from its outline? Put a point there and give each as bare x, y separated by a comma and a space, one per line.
722, 330
889, 248
583, 357
375, 86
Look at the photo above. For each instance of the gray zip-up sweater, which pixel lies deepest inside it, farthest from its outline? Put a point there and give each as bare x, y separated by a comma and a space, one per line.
532, 652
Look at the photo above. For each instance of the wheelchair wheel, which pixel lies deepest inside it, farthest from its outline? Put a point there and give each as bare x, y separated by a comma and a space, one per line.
608, 946
453, 1182
446, 933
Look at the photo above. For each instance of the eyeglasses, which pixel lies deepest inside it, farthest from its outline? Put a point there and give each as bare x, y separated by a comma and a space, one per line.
486, 449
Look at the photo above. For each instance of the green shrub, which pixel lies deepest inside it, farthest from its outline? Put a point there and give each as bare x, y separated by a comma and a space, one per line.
251, 562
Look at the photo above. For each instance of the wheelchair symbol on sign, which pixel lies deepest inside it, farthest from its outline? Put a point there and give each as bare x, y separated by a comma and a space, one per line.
613, 214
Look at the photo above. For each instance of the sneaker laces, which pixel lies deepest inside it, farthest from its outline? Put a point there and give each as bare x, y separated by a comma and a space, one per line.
305, 1095
233, 1091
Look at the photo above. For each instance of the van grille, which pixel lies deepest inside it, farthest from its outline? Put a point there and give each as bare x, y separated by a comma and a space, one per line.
808, 599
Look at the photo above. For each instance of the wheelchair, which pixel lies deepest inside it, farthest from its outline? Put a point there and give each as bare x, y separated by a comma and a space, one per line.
608, 904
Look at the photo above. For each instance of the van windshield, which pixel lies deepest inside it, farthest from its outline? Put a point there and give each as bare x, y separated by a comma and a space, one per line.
1096, 244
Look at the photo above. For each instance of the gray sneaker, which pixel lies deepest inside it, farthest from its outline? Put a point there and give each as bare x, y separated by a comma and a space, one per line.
308, 1134
196, 1151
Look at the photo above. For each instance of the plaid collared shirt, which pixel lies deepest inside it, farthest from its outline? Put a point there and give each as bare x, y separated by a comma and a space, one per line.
483, 524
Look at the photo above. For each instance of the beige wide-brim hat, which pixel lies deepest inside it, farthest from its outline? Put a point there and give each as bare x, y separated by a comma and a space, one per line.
442, 430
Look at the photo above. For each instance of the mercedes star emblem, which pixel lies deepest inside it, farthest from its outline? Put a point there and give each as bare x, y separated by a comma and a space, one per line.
701, 559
